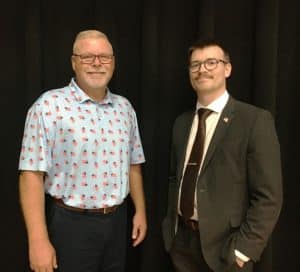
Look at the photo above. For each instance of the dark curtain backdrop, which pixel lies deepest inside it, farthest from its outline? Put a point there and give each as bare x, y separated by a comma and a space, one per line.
150, 38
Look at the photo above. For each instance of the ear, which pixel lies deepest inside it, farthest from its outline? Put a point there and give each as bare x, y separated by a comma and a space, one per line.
228, 69
73, 62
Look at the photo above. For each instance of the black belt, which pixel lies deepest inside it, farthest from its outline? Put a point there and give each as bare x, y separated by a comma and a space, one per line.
190, 223
59, 202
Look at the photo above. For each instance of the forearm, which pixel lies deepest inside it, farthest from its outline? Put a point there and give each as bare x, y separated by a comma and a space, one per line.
136, 188
33, 204
137, 194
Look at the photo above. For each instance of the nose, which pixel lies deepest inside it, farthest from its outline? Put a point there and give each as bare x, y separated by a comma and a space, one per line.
97, 61
202, 68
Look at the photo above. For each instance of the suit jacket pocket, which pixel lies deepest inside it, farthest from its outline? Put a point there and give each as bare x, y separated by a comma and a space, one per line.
227, 252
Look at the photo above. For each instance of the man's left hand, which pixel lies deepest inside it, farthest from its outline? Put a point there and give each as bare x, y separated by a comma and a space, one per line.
239, 262
139, 228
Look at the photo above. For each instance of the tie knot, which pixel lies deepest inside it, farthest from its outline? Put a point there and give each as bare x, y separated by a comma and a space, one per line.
203, 113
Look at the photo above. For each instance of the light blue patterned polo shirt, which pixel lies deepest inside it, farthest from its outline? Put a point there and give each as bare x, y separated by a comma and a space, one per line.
85, 147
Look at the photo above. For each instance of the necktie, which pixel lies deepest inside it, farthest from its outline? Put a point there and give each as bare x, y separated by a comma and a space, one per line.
192, 168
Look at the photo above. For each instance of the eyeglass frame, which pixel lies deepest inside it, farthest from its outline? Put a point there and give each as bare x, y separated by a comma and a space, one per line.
199, 64
100, 58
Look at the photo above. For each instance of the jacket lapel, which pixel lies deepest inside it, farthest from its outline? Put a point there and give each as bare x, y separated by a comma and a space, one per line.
186, 133
221, 128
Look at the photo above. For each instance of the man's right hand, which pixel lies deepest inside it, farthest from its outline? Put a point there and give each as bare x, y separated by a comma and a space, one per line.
42, 256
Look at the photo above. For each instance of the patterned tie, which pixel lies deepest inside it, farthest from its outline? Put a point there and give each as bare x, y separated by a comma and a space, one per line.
192, 168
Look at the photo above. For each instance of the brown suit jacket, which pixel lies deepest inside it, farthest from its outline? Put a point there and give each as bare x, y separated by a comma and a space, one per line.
239, 189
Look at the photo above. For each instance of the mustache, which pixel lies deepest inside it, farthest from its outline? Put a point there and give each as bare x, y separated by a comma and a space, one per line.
204, 76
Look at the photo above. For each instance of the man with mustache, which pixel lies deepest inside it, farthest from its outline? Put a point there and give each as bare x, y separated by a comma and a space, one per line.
83, 162
225, 190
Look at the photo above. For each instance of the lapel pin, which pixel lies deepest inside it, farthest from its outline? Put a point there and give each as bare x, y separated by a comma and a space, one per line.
226, 119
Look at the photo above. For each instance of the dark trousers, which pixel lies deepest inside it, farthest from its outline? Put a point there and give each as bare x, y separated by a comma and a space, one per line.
186, 253
88, 242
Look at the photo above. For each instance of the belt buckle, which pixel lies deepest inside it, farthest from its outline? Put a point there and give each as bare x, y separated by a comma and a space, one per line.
105, 210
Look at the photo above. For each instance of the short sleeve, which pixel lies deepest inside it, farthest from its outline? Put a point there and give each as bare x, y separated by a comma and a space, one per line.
136, 149
36, 146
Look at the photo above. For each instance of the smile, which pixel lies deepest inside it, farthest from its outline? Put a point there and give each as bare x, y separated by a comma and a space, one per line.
98, 72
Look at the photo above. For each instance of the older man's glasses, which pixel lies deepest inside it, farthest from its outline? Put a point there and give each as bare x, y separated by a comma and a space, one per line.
89, 58
209, 64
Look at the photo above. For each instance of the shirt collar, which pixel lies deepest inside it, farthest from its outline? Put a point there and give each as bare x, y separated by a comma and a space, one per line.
217, 105
82, 97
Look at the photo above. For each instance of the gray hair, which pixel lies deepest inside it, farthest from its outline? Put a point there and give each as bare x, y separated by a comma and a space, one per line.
94, 34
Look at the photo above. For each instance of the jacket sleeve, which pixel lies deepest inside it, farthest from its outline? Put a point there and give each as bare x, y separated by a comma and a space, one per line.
264, 180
